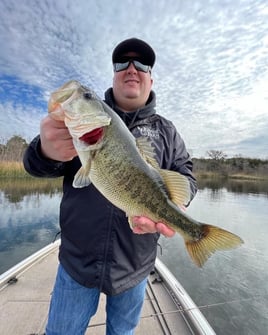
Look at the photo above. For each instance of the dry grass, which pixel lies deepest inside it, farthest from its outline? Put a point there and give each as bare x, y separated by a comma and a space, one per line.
14, 177
239, 176
247, 177
13, 169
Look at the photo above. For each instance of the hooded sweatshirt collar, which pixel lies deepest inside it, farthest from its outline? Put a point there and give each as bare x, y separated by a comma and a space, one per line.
131, 117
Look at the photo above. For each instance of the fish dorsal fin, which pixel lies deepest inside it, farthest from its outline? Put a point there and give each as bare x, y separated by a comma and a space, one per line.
178, 186
147, 151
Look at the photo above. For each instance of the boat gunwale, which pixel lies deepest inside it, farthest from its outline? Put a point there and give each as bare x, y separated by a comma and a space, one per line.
195, 317
27, 263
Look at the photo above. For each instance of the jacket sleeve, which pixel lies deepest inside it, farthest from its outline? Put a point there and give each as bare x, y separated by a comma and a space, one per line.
37, 165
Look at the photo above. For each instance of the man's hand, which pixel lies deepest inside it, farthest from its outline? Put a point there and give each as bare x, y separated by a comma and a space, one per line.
143, 225
56, 141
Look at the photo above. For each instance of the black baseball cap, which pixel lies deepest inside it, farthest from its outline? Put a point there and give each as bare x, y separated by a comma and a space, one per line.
145, 51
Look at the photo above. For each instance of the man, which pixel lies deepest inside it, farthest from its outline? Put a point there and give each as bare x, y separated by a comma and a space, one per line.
99, 252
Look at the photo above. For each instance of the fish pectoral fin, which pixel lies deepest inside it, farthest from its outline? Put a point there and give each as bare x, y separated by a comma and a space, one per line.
213, 239
130, 222
81, 179
178, 187
147, 151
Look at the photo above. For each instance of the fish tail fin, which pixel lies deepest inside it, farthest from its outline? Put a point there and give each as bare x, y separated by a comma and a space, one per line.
213, 239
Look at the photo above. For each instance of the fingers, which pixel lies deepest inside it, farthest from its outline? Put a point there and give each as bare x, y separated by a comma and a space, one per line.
143, 225
165, 230
56, 141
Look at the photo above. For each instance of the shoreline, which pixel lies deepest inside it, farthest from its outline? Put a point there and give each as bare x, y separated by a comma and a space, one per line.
9, 169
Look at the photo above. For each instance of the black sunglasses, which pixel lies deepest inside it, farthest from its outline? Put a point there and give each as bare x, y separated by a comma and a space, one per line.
138, 66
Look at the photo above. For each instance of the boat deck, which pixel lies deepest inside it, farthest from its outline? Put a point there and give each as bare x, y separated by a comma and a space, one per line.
24, 303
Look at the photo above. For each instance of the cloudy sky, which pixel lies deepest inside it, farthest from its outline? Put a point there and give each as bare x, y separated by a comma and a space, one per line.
210, 77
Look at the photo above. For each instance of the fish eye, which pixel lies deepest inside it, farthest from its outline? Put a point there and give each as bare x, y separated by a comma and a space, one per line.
88, 95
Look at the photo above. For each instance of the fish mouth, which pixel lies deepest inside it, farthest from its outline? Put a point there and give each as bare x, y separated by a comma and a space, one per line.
93, 136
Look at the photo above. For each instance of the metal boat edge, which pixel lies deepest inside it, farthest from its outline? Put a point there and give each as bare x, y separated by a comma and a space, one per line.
197, 321
19, 268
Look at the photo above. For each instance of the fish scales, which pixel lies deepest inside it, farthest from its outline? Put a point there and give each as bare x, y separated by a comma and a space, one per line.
118, 167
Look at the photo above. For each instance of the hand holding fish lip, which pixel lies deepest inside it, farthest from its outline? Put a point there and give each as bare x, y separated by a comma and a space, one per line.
143, 225
56, 141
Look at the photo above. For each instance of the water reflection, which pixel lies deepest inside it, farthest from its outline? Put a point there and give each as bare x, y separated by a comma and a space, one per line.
15, 189
29, 218
234, 185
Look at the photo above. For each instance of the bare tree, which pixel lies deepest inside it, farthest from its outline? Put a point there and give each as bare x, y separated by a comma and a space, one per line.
13, 150
216, 155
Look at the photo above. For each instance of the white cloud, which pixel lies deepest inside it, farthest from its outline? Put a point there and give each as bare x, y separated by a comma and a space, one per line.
19, 120
211, 74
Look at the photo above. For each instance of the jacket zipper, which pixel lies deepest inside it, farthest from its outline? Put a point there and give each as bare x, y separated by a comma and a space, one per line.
106, 251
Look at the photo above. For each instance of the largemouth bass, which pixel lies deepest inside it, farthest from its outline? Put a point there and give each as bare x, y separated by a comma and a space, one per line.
125, 171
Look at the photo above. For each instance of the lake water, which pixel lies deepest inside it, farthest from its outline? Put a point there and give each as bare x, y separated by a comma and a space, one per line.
231, 289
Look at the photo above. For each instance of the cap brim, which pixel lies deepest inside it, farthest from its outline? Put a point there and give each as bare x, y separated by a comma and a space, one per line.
145, 52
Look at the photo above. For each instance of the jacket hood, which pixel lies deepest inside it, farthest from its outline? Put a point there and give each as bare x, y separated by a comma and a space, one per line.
131, 117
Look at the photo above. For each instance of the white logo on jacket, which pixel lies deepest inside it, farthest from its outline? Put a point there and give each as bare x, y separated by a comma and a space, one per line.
149, 132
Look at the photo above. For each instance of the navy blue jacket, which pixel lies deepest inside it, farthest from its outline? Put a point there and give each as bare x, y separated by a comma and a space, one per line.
98, 248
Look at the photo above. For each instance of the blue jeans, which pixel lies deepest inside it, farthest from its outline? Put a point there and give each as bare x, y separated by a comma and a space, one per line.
72, 306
